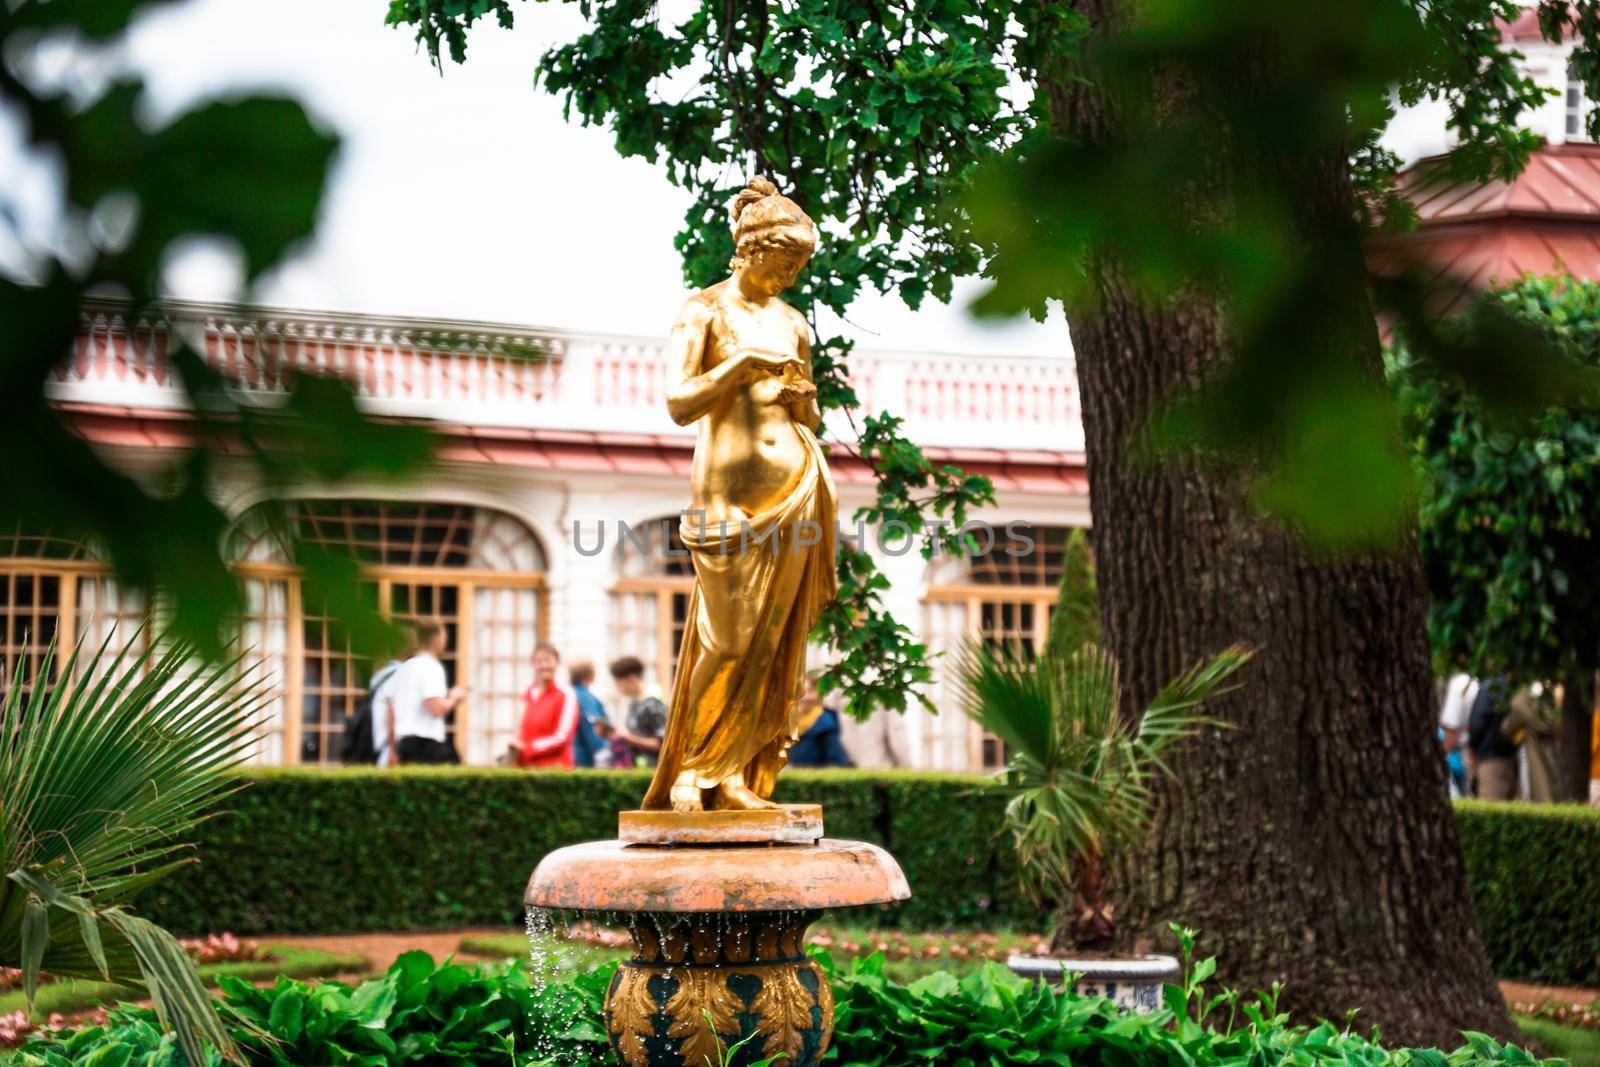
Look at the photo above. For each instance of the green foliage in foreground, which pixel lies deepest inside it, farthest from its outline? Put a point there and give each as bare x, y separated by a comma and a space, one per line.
420, 1013
245, 170
102, 778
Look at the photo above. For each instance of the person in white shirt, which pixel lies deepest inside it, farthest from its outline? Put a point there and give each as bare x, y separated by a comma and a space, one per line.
1459, 693
419, 700
381, 686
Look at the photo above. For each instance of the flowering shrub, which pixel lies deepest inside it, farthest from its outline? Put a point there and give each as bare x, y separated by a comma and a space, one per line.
1584, 1016
17, 1028
221, 948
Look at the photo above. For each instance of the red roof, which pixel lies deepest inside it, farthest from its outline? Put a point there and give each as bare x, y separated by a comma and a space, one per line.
1525, 27
1559, 182
1017, 470
1472, 235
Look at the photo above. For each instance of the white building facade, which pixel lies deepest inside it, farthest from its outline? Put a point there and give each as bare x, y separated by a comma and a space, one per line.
551, 511
1561, 118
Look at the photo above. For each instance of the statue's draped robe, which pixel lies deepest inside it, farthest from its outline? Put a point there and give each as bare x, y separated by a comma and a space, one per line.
775, 573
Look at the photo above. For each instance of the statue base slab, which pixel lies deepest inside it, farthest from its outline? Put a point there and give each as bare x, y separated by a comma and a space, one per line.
788, 824
617, 877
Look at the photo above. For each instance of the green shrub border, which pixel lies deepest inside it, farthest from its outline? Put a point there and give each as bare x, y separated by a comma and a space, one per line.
347, 850
1535, 876
308, 851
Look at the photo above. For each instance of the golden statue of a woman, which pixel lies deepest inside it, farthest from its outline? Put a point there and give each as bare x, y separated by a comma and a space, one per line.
761, 526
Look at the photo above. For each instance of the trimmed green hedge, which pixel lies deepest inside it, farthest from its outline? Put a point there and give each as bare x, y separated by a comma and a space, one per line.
346, 850
1535, 874
309, 851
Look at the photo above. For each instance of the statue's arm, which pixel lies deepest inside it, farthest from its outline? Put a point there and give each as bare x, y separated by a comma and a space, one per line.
690, 393
805, 410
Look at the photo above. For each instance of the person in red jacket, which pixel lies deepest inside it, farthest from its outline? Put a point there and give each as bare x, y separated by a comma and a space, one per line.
549, 715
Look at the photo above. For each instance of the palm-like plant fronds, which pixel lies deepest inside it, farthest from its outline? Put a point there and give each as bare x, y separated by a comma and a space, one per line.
1079, 772
101, 775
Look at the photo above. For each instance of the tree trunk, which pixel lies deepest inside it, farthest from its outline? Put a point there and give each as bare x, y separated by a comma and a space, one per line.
1084, 923
1314, 844
1575, 739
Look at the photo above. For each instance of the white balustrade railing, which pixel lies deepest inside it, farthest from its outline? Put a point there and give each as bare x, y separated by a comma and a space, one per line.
488, 375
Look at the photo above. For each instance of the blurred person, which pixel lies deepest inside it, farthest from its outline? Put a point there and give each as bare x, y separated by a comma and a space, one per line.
1534, 724
1493, 753
819, 743
420, 701
376, 708
550, 715
644, 723
1460, 691
590, 747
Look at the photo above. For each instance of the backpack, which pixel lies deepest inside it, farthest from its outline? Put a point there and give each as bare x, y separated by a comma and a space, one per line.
1483, 724
357, 746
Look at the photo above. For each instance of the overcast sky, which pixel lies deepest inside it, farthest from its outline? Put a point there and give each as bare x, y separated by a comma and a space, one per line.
467, 195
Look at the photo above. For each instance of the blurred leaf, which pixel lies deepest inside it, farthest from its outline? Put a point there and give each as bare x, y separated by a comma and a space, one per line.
1340, 479
334, 589
35, 937
325, 431
93, 18
1473, 348
251, 170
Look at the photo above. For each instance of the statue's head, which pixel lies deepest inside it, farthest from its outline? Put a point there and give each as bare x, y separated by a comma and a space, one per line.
773, 238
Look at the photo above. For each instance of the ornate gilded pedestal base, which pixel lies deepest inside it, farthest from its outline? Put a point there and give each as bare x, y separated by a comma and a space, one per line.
699, 985
718, 931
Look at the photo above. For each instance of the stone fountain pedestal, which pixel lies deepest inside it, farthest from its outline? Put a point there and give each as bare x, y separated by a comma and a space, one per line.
718, 918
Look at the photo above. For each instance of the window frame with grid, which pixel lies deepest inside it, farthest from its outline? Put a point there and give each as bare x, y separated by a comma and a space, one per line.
72, 568
1575, 109
990, 596
650, 598
468, 571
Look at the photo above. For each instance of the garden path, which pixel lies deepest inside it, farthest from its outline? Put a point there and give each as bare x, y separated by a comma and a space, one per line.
382, 949
1523, 993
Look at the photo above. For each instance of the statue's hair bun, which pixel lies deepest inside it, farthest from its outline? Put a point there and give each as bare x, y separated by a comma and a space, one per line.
757, 189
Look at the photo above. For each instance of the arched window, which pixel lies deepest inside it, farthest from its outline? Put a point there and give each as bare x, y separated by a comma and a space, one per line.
650, 602
55, 588
478, 571
1004, 592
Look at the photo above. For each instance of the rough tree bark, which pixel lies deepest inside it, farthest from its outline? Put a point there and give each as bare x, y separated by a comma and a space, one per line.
1314, 844
1574, 739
